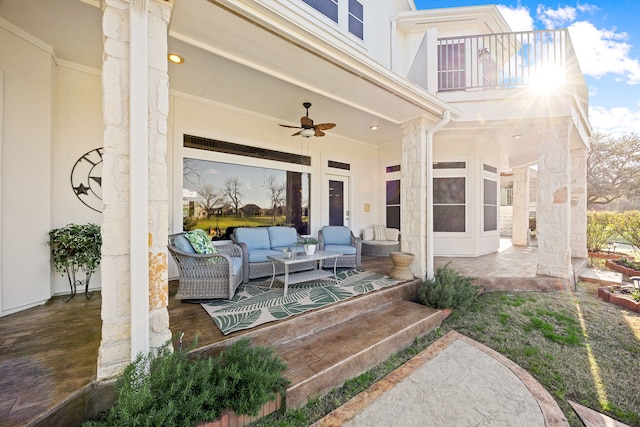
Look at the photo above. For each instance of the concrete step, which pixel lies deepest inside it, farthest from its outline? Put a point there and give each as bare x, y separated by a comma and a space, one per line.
325, 347
321, 362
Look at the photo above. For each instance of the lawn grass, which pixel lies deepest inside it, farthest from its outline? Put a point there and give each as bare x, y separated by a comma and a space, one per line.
577, 346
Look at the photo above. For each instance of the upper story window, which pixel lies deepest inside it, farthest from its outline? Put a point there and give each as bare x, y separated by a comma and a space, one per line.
348, 14
356, 19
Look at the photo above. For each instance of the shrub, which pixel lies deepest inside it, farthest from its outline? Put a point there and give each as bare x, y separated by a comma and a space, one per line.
179, 390
533, 223
627, 225
601, 228
448, 289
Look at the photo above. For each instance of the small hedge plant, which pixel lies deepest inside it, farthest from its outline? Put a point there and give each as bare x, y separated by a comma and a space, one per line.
448, 289
182, 390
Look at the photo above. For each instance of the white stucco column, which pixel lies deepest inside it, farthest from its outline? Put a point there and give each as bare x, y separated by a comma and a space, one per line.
554, 201
135, 215
520, 236
579, 203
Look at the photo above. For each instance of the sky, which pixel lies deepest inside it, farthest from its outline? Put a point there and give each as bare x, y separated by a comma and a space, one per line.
606, 38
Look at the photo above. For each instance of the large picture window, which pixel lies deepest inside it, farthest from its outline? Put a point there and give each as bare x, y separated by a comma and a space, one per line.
217, 197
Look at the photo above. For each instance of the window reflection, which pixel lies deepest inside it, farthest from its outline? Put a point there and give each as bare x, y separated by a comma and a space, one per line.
217, 197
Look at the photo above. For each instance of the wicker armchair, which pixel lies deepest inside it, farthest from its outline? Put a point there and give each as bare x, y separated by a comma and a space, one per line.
340, 239
206, 276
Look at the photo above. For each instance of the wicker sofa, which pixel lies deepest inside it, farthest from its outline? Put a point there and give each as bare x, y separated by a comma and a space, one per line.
380, 241
206, 276
257, 243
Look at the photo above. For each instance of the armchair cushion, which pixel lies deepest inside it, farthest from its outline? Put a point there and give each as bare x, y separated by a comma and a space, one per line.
336, 235
341, 249
181, 243
255, 238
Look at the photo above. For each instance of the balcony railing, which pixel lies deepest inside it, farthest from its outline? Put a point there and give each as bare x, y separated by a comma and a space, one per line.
509, 60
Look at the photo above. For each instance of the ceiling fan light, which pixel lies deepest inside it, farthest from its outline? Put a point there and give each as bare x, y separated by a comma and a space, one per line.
307, 133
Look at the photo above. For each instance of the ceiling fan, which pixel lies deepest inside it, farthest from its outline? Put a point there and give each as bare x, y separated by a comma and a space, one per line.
307, 128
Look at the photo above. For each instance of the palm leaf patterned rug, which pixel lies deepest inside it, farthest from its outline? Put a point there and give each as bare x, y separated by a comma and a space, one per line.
256, 304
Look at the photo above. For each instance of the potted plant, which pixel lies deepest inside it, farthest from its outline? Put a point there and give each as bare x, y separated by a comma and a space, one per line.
74, 248
309, 244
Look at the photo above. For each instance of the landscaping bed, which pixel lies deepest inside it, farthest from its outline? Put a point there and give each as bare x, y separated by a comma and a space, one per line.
625, 266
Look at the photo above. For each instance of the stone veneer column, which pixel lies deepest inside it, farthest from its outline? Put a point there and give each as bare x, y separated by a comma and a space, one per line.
554, 201
520, 236
116, 346
579, 203
416, 157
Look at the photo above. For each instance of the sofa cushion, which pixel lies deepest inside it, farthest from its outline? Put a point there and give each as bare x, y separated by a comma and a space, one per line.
341, 249
392, 234
379, 232
260, 255
282, 237
181, 243
336, 235
255, 238
200, 241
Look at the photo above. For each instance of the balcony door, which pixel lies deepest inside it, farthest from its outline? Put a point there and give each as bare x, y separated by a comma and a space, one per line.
452, 64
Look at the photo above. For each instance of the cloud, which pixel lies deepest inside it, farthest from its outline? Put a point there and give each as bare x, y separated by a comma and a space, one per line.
555, 18
519, 18
616, 121
587, 8
601, 52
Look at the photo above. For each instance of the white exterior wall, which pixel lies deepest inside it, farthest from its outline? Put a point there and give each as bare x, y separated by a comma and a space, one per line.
77, 129
28, 74
474, 241
195, 117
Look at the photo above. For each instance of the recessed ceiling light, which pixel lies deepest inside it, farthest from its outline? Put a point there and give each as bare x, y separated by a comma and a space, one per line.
374, 127
517, 136
175, 58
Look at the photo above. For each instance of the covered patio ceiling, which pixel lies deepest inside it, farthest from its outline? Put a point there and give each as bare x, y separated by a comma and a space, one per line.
266, 64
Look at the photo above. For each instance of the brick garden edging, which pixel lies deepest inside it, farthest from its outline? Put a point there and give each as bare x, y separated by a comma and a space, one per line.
622, 269
606, 294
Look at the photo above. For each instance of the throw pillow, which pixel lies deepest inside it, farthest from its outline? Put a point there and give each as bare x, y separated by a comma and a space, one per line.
379, 232
367, 234
200, 242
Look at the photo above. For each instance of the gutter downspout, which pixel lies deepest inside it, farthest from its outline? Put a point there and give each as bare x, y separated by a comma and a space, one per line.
446, 117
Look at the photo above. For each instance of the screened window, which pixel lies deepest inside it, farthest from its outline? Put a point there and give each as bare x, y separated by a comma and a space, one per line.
328, 8
449, 204
356, 19
490, 205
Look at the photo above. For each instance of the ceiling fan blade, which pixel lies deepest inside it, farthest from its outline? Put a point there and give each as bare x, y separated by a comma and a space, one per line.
306, 122
319, 133
325, 126
297, 133
292, 127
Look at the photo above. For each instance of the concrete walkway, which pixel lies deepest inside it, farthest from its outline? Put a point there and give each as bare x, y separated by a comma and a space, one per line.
454, 382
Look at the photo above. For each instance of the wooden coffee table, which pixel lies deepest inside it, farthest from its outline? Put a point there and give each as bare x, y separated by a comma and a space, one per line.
303, 276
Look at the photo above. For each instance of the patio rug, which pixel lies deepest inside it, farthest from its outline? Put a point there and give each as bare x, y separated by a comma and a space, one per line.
255, 304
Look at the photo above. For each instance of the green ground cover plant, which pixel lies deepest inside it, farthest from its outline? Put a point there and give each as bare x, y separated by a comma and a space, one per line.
577, 346
179, 389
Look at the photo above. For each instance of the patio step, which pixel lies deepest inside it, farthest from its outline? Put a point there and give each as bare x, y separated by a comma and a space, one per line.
325, 347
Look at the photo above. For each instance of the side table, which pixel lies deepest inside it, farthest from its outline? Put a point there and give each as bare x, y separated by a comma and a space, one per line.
401, 265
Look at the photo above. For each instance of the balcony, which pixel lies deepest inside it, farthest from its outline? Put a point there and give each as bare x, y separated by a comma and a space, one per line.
541, 59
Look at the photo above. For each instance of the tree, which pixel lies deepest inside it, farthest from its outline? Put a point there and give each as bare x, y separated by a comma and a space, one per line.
210, 199
232, 191
276, 193
613, 169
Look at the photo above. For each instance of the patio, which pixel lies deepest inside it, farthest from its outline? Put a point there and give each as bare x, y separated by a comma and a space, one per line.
48, 353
